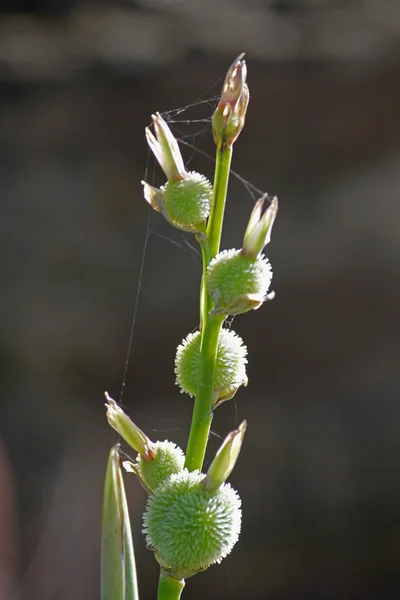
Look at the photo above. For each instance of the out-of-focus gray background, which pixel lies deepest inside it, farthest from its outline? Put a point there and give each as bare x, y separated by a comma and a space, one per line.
319, 471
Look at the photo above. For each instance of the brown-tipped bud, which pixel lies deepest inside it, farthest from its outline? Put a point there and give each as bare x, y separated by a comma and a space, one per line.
229, 116
225, 459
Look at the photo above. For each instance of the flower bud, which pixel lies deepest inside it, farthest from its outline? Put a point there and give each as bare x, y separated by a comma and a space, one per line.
166, 459
238, 283
229, 116
258, 232
188, 527
225, 459
230, 368
166, 150
127, 428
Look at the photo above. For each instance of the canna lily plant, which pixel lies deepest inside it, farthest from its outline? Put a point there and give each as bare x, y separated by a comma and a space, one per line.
192, 519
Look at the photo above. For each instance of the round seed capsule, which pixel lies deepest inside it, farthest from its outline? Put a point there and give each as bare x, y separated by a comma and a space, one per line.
166, 459
238, 283
189, 528
230, 369
188, 201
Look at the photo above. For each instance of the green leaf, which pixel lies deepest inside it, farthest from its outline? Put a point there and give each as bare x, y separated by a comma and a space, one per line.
118, 568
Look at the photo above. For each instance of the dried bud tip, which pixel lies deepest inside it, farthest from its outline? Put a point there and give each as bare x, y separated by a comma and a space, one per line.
129, 466
154, 196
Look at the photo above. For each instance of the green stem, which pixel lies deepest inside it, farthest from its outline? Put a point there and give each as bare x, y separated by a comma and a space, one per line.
221, 178
205, 253
202, 411
210, 324
169, 588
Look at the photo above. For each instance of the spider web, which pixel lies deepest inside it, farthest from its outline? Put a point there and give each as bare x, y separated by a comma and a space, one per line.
191, 126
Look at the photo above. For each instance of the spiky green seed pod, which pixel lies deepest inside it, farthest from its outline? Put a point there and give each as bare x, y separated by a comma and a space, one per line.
230, 368
188, 201
188, 527
165, 459
238, 283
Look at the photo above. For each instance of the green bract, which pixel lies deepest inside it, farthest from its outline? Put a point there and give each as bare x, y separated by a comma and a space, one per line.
225, 459
238, 283
126, 428
230, 368
166, 459
188, 527
188, 201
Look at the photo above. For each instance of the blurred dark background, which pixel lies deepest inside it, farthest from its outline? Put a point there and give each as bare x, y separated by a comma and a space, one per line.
319, 471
